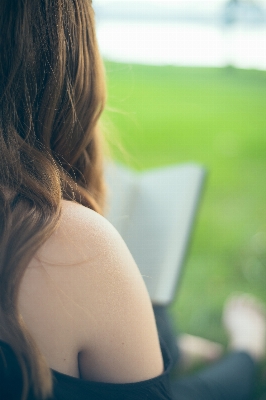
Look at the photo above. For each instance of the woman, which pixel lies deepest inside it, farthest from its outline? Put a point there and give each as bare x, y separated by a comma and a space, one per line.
59, 255
73, 304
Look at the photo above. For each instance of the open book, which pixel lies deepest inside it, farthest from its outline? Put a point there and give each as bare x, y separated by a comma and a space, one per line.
154, 212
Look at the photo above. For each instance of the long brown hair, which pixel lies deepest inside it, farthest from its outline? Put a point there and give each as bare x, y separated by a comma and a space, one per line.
52, 92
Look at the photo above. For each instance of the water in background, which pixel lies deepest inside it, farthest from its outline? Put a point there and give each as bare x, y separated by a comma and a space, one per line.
183, 43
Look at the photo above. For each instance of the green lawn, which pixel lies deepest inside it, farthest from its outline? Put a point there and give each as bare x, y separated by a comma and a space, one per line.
216, 117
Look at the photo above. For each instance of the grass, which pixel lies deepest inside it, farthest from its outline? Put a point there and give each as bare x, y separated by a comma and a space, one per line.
216, 117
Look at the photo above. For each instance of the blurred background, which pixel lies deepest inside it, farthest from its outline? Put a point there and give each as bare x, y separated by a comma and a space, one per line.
187, 82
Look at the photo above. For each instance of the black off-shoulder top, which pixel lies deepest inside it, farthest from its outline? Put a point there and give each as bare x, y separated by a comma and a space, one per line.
69, 388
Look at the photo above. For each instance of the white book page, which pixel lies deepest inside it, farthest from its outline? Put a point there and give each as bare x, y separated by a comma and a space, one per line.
122, 189
154, 213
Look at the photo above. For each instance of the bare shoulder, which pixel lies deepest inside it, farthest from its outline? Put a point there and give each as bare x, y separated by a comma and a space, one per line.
81, 233
97, 298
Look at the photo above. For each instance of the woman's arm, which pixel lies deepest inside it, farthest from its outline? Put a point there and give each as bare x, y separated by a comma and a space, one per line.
86, 305
118, 341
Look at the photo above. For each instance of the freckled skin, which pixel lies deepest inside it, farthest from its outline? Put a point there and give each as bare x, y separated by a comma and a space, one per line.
85, 303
